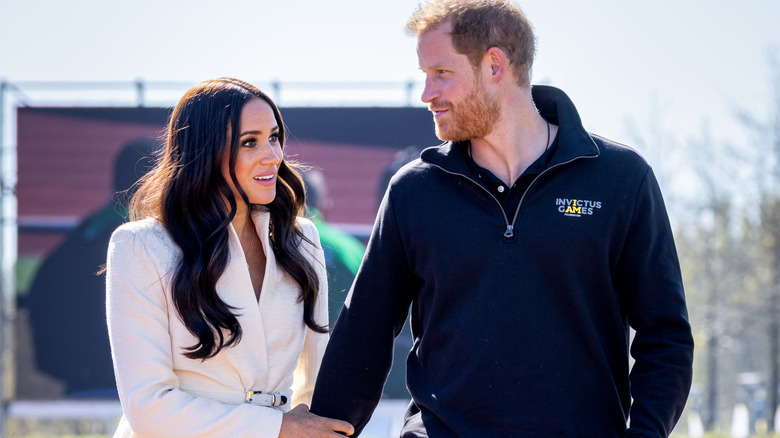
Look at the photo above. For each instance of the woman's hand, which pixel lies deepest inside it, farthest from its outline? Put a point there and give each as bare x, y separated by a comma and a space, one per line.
299, 422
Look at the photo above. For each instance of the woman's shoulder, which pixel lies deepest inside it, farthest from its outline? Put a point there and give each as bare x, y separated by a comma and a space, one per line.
305, 223
309, 229
149, 233
142, 227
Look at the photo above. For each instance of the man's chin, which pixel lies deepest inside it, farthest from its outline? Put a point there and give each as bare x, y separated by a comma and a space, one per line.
443, 134
447, 137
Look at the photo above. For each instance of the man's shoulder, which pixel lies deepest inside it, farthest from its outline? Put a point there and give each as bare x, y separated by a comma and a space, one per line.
618, 153
411, 171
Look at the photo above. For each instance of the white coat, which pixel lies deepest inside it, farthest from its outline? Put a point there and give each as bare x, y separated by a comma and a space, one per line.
164, 393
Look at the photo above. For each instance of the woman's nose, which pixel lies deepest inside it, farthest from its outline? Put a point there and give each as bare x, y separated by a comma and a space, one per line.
270, 155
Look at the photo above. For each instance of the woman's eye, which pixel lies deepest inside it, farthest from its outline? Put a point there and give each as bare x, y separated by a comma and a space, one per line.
248, 143
274, 138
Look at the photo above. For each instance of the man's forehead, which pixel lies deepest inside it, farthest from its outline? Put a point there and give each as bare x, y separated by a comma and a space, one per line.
434, 49
444, 28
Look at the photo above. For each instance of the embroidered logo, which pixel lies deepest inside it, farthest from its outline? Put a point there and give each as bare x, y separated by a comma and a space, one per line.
577, 207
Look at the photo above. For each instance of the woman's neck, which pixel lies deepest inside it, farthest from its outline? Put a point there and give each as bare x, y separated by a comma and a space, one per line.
244, 226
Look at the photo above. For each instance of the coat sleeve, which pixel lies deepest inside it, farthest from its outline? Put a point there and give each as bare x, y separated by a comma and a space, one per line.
360, 353
138, 320
315, 343
649, 277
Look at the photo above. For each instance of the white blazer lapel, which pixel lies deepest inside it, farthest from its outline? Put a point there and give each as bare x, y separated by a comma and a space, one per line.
235, 288
262, 221
282, 313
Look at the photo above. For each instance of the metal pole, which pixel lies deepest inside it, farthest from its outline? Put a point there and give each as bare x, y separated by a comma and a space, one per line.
3, 338
6, 352
8, 244
277, 87
139, 87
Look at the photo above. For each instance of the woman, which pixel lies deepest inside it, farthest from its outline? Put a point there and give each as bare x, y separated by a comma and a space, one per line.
216, 291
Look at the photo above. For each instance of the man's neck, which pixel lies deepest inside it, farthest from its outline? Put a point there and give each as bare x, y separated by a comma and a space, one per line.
519, 138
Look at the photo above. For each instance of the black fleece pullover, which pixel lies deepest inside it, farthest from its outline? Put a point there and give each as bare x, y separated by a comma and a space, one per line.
520, 321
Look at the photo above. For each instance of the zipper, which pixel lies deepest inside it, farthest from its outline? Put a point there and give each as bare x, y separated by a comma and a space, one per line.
510, 227
522, 198
510, 230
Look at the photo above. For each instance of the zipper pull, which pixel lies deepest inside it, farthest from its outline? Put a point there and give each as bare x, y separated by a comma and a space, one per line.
509, 233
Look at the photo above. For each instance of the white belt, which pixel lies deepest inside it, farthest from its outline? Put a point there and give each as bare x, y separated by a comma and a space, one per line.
263, 399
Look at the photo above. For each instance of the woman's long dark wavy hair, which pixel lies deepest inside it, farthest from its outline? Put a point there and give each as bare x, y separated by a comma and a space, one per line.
186, 192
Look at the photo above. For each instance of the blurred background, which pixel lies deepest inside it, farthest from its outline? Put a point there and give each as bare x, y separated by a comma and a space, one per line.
86, 87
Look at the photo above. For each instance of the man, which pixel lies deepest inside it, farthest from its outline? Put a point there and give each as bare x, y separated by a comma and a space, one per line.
527, 249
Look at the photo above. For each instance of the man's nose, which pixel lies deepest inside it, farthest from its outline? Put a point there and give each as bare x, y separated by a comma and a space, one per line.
429, 92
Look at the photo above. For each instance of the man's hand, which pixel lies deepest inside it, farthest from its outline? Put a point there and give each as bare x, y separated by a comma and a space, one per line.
299, 422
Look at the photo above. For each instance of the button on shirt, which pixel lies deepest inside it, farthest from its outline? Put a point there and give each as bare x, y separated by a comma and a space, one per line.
509, 198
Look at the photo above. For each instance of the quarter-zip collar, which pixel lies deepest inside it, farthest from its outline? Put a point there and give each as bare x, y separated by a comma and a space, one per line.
555, 107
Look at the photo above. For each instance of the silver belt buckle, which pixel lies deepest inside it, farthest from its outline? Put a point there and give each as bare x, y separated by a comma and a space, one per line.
262, 399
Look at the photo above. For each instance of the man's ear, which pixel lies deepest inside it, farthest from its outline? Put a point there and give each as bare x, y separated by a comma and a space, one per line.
496, 60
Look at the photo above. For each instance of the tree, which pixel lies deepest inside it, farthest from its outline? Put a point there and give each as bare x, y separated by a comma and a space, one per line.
767, 182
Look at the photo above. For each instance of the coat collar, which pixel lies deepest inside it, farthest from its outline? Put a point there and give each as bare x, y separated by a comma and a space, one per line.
235, 285
235, 289
555, 107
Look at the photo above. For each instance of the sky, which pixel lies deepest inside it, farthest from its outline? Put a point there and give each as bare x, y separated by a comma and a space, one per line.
678, 64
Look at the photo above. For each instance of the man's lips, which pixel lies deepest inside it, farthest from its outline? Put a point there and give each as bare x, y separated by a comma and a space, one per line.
438, 111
